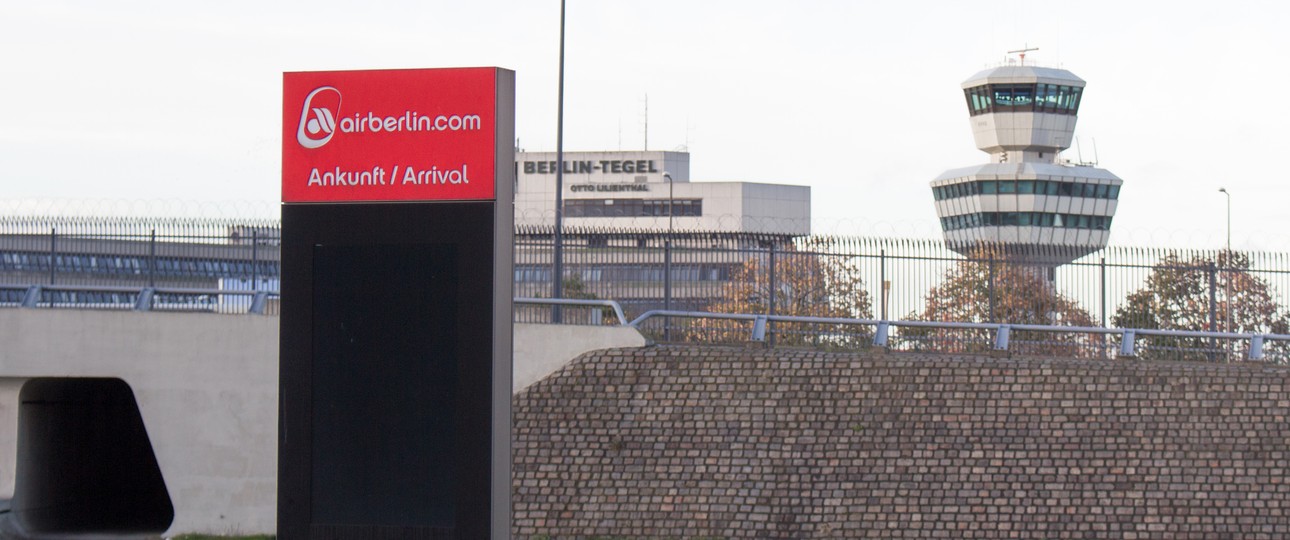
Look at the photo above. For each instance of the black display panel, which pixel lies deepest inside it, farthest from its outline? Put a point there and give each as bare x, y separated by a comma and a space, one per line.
387, 347
384, 386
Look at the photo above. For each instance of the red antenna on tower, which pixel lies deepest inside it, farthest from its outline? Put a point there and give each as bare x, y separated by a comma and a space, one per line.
1022, 52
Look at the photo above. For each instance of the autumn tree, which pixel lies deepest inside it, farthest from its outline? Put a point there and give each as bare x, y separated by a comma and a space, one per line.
992, 287
808, 281
1177, 296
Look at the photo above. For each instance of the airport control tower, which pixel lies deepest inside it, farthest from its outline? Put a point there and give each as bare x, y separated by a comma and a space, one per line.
1027, 199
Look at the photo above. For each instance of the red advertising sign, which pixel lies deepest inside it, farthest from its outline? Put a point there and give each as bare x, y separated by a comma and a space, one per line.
389, 135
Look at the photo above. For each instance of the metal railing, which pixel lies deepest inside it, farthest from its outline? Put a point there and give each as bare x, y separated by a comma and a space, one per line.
594, 317
140, 298
1122, 342
1002, 333
832, 277
877, 278
879, 332
204, 254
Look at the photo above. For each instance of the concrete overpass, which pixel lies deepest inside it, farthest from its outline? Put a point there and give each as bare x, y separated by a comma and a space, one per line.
177, 414
150, 422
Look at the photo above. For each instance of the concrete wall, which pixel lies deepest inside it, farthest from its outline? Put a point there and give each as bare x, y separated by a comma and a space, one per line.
9, 388
738, 443
207, 388
541, 349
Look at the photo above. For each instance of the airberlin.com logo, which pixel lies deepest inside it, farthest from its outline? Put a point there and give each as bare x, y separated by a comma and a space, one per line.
318, 117
320, 120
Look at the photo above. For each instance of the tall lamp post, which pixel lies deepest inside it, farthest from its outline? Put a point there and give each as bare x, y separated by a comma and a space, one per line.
557, 270
1227, 283
670, 201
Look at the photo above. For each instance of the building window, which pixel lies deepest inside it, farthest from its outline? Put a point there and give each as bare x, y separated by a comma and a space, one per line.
629, 208
1023, 187
1026, 219
1041, 97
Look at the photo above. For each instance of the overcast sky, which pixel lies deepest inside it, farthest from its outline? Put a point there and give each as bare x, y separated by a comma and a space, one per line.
168, 106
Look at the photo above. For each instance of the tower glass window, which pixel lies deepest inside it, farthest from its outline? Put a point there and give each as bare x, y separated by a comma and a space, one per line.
1022, 187
1041, 97
1003, 96
1023, 96
1026, 219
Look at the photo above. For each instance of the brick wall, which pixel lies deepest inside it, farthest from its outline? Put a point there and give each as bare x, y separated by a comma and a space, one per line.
710, 442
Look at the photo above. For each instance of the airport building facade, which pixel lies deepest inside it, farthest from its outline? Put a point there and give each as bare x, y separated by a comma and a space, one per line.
640, 191
689, 237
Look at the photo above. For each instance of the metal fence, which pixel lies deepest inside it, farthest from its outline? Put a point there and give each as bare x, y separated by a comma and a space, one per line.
919, 280
177, 265
212, 265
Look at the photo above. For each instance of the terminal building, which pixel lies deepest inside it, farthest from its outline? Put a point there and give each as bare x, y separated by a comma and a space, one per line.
689, 237
1026, 199
640, 191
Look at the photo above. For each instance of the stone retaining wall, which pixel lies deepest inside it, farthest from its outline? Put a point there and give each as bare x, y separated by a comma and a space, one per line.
680, 442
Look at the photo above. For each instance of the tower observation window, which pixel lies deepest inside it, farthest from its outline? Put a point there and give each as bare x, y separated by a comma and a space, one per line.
1039, 97
1023, 96
1025, 187
1002, 96
1026, 219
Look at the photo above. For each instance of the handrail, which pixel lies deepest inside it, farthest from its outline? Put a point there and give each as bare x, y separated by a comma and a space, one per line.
618, 309
144, 300
1002, 330
126, 289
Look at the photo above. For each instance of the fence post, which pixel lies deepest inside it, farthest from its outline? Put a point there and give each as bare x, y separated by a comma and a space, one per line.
773, 286
882, 280
1103, 295
667, 286
1101, 338
255, 259
152, 258
557, 265
53, 251
1213, 297
990, 286
1213, 307
667, 274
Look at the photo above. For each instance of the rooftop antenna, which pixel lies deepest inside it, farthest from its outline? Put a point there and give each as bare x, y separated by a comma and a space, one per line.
1078, 152
1022, 52
1095, 159
646, 122
687, 133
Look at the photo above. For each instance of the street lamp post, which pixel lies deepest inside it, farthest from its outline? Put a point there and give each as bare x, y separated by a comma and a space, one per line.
670, 202
557, 270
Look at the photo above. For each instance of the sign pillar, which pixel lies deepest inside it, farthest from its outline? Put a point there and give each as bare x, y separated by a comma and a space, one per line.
395, 360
